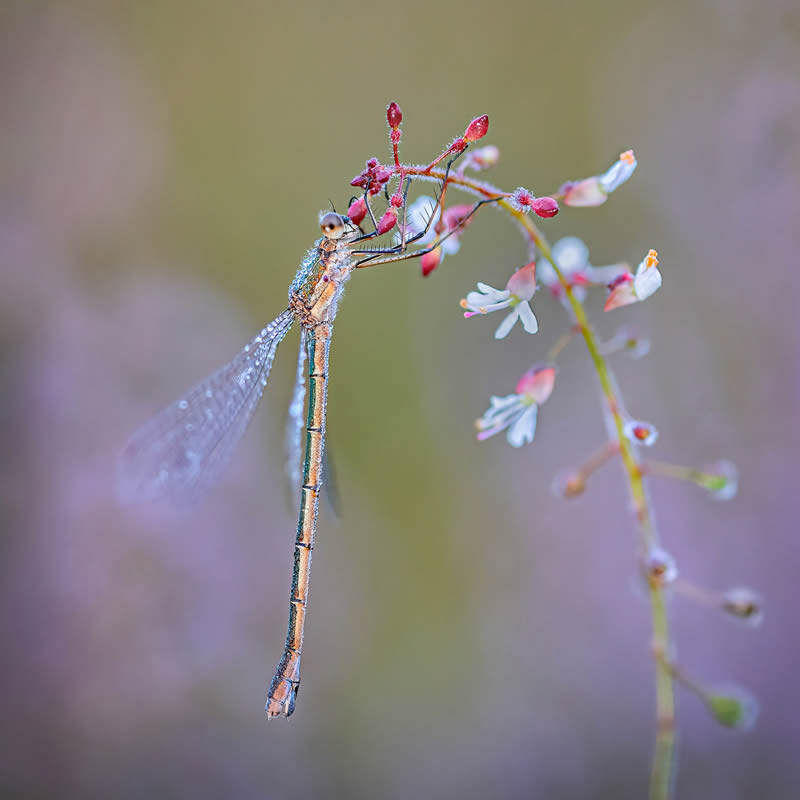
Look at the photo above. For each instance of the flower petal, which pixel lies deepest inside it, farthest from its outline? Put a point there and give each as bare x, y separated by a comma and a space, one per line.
527, 317
571, 254
524, 428
585, 194
507, 324
619, 172
537, 383
522, 283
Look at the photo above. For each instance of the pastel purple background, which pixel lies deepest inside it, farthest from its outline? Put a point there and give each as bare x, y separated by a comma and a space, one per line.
161, 167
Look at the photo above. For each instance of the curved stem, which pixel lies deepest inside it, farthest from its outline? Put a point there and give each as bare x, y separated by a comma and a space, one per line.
663, 759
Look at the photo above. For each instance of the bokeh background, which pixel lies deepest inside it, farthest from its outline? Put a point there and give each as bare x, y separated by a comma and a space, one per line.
161, 168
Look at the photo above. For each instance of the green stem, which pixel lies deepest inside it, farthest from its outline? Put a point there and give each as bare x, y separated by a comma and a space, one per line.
664, 756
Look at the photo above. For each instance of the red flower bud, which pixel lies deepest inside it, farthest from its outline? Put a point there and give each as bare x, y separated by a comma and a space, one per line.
360, 181
430, 261
394, 116
372, 163
545, 207
477, 129
394, 136
387, 221
357, 210
458, 146
383, 174
396, 199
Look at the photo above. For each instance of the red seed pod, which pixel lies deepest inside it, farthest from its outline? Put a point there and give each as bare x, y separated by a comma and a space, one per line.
360, 181
387, 221
394, 116
545, 207
477, 129
383, 174
430, 261
357, 210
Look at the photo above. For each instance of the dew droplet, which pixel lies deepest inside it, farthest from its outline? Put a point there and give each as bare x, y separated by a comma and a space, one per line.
183, 405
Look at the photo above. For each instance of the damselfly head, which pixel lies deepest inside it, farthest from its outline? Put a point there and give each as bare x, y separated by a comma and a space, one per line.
334, 225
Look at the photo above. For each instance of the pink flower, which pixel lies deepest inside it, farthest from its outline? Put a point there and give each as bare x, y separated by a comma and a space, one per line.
519, 290
517, 412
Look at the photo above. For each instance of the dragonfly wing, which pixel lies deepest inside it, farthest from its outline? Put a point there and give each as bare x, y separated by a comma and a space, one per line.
294, 426
185, 446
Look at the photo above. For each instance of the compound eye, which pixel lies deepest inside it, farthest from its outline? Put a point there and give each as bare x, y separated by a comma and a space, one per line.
332, 225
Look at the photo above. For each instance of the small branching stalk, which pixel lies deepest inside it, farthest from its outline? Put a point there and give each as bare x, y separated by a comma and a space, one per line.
565, 271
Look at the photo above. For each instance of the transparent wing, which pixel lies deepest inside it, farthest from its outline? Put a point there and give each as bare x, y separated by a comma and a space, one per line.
294, 426
186, 445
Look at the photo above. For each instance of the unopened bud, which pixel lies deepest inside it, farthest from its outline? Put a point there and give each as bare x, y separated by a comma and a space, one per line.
396, 200
722, 480
357, 210
733, 707
569, 483
429, 261
545, 207
394, 116
522, 199
641, 432
477, 129
383, 174
387, 221
744, 604
660, 566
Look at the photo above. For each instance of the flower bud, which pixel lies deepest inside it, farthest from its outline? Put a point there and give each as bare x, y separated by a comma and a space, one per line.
357, 210
522, 199
387, 221
744, 604
660, 566
733, 707
429, 261
723, 480
477, 129
640, 432
545, 207
383, 174
394, 116
569, 483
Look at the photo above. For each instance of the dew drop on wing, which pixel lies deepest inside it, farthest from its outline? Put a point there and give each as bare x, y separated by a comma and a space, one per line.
184, 448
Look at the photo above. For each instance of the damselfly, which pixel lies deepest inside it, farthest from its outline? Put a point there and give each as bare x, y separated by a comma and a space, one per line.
185, 446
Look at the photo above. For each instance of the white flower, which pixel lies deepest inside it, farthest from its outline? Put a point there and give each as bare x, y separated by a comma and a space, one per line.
627, 288
618, 173
572, 257
519, 290
517, 412
594, 191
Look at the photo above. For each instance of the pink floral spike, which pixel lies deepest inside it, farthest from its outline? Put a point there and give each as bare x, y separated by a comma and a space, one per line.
519, 290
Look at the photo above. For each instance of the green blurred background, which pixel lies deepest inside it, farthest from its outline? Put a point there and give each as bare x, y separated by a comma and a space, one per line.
162, 165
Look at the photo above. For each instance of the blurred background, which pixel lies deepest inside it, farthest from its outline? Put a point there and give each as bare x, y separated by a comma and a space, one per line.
162, 165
